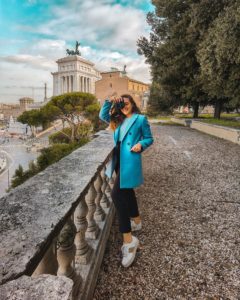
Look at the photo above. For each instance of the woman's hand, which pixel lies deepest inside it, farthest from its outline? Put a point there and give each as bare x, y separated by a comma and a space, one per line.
115, 99
137, 148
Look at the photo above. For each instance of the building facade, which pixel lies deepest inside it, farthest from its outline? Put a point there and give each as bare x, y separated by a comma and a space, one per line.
118, 81
75, 74
25, 102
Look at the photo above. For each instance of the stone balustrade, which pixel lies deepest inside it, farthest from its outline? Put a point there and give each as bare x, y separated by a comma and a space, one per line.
57, 223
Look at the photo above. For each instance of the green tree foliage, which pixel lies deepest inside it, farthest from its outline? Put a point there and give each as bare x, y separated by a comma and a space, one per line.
64, 136
171, 53
47, 157
70, 108
32, 118
20, 175
92, 113
179, 28
55, 152
219, 58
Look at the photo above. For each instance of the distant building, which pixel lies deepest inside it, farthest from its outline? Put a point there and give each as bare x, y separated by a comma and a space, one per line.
8, 110
118, 81
25, 102
208, 109
75, 74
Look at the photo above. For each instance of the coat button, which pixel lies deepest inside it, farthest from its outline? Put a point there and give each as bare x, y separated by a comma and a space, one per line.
128, 143
130, 133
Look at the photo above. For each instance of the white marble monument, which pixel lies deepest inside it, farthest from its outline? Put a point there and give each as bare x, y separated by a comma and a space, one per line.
75, 74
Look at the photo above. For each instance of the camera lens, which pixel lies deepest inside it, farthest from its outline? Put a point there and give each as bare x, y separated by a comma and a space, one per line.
120, 104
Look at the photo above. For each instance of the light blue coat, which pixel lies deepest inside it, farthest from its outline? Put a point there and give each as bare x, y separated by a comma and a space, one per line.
137, 131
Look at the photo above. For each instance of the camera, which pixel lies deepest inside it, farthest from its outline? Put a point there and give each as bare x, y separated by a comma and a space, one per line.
120, 104
116, 114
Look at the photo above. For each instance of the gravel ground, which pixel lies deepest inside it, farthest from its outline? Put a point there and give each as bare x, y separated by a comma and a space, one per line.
190, 207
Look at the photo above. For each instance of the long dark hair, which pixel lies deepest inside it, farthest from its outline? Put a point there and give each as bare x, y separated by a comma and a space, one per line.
117, 117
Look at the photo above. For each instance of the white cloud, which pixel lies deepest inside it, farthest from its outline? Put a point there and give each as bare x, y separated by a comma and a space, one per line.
99, 23
105, 59
37, 62
108, 33
46, 47
24, 76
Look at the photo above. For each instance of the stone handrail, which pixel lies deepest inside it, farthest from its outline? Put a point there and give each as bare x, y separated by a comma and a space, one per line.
58, 223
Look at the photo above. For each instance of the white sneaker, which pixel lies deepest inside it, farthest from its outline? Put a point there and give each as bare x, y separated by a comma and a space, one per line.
136, 227
129, 252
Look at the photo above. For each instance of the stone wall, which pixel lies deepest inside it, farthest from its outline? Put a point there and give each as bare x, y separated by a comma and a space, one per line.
230, 134
61, 215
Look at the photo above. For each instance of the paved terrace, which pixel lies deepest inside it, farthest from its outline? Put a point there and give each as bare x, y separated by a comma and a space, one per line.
190, 206
56, 225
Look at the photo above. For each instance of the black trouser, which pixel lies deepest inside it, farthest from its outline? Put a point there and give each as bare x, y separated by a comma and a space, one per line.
124, 199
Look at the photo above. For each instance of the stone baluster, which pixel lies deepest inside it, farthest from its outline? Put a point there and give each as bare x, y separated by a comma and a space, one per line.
48, 264
104, 200
99, 214
92, 229
111, 180
83, 250
108, 188
66, 255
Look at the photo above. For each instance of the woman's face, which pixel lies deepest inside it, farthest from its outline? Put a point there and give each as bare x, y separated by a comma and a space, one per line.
127, 110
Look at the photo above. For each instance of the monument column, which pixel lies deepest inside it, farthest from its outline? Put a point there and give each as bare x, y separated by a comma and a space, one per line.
89, 81
71, 77
85, 79
80, 86
83, 83
75, 84
63, 85
67, 84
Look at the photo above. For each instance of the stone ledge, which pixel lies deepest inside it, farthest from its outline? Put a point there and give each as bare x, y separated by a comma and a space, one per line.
39, 288
230, 134
33, 214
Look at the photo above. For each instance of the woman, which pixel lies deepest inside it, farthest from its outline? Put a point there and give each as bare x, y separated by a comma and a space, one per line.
132, 135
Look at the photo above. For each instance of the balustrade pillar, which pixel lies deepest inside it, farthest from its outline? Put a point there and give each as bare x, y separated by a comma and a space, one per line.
99, 214
83, 250
48, 264
111, 182
92, 229
104, 200
66, 255
108, 188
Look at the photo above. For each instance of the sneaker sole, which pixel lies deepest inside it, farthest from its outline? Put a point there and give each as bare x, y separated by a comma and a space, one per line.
132, 260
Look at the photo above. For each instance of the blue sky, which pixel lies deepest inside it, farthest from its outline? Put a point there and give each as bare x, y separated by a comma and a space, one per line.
35, 33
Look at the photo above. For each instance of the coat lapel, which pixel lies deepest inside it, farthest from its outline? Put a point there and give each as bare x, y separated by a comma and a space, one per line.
131, 122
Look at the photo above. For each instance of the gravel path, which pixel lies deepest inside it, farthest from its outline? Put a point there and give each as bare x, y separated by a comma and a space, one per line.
190, 206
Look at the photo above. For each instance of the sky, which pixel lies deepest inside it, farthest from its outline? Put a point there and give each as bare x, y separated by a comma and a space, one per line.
35, 33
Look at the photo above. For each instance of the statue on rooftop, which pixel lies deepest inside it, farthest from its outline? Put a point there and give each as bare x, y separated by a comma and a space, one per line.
76, 51
124, 72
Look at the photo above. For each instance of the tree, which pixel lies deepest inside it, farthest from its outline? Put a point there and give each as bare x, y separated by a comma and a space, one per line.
219, 58
92, 113
70, 108
32, 118
178, 28
171, 54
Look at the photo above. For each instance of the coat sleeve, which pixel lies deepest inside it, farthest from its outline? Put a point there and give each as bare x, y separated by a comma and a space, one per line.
104, 111
147, 138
